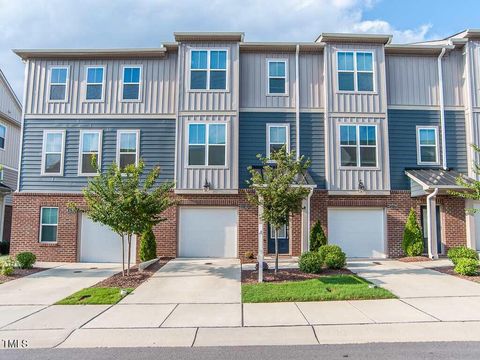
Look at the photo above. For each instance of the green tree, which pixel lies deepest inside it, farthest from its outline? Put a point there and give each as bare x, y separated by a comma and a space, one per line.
148, 245
317, 237
276, 189
412, 243
471, 186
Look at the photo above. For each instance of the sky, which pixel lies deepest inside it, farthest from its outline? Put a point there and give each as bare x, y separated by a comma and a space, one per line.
28, 24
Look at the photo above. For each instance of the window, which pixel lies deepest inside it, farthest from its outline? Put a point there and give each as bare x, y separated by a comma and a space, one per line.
282, 232
208, 70
58, 83
277, 77
277, 136
427, 140
95, 79
132, 76
127, 147
355, 71
358, 145
48, 224
207, 144
90, 148
3, 135
53, 151
1, 174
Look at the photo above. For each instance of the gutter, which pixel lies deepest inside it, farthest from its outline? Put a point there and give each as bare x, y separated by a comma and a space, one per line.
22, 122
297, 101
429, 226
442, 108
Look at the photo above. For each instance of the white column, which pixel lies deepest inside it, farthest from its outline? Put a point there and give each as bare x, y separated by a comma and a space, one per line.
305, 230
260, 245
432, 225
2, 215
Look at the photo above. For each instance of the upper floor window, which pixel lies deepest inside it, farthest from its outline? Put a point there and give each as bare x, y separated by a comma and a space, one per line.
90, 152
132, 79
53, 152
95, 80
277, 77
358, 145
208, 69
127, 147
355, 71
427, 145
58, 83
3, 135
207, 144
48, 224
277, 136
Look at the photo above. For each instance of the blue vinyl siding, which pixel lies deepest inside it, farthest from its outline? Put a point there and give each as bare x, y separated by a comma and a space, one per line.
403, 142
157, 147
253, 140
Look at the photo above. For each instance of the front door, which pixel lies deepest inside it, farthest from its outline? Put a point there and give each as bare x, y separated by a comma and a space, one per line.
283, 243
424, 230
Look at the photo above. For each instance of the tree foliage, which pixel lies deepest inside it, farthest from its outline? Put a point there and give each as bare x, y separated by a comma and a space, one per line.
317, 237
412, 243
148, 245
471, 187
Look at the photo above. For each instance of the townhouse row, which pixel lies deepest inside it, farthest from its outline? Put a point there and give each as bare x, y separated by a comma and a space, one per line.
387, 128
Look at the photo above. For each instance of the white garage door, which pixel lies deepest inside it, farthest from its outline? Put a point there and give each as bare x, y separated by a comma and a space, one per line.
359, 232
208, 232
100, 244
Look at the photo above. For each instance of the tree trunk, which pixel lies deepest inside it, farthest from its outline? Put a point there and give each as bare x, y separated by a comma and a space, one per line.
276, 251
123, 255
129, 251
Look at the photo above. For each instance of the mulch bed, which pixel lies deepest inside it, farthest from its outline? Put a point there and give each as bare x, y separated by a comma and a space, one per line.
135, 278
19, 273
414, 259
251, 276
449, 270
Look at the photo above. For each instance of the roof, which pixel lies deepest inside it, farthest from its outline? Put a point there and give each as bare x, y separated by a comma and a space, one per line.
281, 46
355, 38
416, 49
4, 189
88, 53
436, 178
10, 89
204, 36
300, 179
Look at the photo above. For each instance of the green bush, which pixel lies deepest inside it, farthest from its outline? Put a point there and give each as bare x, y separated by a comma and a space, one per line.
329, 249
148, 246
317, 237
335, 260
461, 252
412, 243
466, 266
7, 266
26, 260
310, 262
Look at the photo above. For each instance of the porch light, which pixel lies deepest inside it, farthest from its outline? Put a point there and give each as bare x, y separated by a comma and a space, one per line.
206, 185
361, 186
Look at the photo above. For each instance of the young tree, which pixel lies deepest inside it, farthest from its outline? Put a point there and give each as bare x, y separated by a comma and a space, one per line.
317, 237
412, 243
276, 189
148, 245
471, 186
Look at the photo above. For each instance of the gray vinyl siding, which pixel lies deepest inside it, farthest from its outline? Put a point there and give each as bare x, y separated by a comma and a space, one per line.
157, 94
8, 105
157, 147
456, 141
453, 66
9, 156
10, 178
312, 145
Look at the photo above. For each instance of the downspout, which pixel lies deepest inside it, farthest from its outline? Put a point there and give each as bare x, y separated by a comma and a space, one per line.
429, 227
442, 109
297, 102
308, 218
22, 124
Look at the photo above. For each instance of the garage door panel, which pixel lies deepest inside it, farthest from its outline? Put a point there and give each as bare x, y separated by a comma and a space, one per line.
359, 232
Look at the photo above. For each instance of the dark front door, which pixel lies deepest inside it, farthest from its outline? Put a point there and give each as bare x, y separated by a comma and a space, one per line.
424, 230
283, 243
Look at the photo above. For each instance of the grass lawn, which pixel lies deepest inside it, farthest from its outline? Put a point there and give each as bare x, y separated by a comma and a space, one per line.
94, 296
324, 288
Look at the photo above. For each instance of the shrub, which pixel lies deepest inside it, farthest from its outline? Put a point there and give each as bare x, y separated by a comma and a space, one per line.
310, 262
26, 260
329, 249
249, 255
7, 266
4, 247
461, 252
148, 246
412, 243
335, 260
317, 237
466, 266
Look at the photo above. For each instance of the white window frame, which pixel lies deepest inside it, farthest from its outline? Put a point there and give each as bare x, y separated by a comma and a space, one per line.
285, 61
44, 153
80, 152
5, 138
208, 69
355, 72
67, 83
437, 147
358, 147
207, 145
103, 67
2, 172
140, 83
137, 150
41, 225
287, 130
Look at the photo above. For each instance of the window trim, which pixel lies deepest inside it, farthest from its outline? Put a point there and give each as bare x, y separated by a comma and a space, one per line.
355, 72
67, 83
5, 138
102, 99
207, 144
41, 225
287, 127
44, 154
80, 151
358, 146
140, 83
137, 150
189, 69
285, 61
437, 145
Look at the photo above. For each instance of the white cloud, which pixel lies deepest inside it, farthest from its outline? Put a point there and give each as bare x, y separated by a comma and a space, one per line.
147, 23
